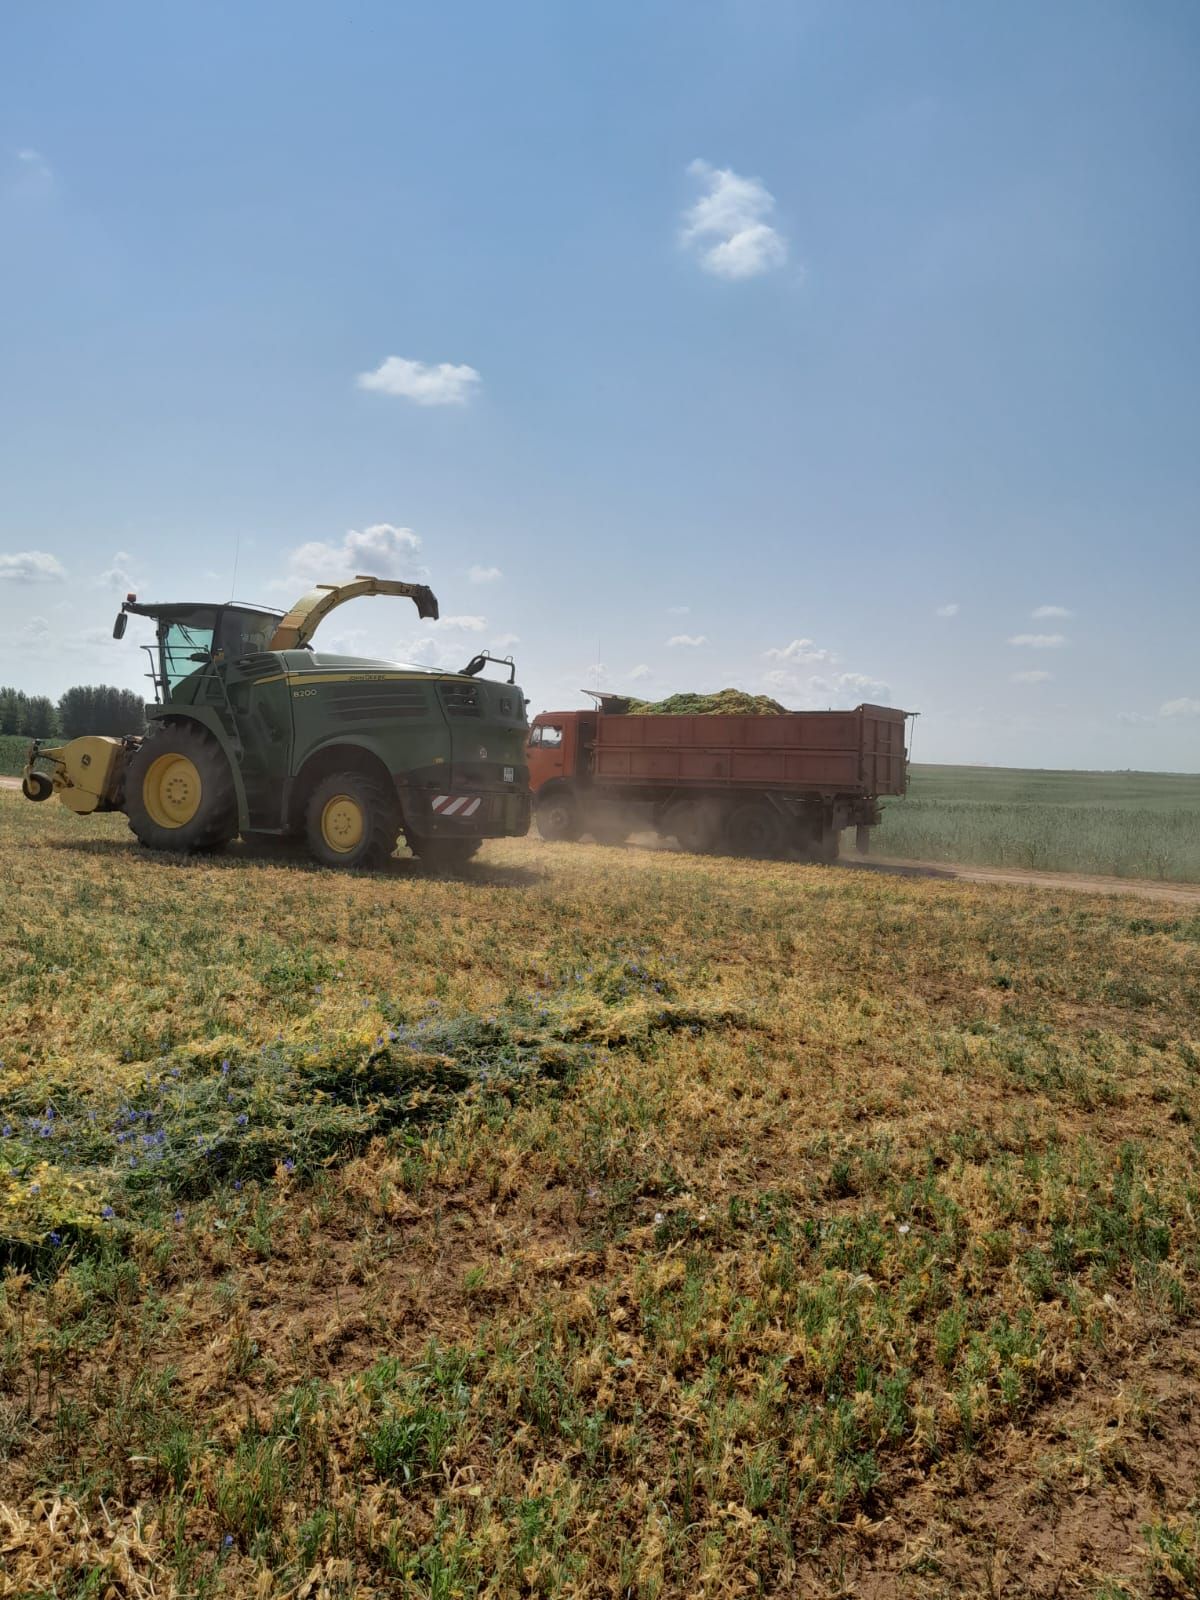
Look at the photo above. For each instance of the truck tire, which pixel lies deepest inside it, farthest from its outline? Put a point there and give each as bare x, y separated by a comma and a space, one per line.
179, 791
754, 829
558, 816
695, 825
442, 855
351, 821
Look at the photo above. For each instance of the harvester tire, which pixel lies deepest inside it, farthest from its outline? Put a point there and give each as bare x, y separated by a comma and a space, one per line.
558, 816
179, 792
351, 821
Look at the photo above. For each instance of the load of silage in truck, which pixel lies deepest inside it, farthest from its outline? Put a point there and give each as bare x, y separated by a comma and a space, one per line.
723, 772
252, 731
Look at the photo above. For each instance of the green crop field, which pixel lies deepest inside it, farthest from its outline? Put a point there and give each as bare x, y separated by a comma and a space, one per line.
597, 1222
1130, 824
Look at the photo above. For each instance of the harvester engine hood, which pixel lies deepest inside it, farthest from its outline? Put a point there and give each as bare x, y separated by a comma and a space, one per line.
306, 616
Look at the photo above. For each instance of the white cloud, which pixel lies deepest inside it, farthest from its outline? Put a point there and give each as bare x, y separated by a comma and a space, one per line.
638, 672
801, 650
462, 624
678, 611
1039, 612
1039, 641
691, 640
36, 632
478, 574
380, 551
727, 226
36, 171
427, 651
1134, 718
118, 576
948, 611
860, 683
31, 566
502, 641
1184, 707
428, 385
1031, 677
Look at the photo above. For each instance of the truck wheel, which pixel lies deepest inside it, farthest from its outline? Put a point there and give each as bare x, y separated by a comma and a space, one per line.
351, 821
442, 855
695, 825
558, 817
179, 791
754, 829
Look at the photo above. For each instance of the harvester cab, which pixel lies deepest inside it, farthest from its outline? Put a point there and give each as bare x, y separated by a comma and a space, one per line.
252, 730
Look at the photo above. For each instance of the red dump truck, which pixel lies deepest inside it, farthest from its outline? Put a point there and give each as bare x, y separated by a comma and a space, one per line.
784, 785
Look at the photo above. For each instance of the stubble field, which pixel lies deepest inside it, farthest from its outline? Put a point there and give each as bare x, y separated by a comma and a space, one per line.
599, 1222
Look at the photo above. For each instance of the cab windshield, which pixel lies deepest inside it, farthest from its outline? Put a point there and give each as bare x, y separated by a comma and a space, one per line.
186, 648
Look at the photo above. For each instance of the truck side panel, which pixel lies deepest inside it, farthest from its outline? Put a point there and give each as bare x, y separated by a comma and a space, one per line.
830, 752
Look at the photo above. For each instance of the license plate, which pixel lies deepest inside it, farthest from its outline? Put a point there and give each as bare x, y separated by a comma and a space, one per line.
509, 774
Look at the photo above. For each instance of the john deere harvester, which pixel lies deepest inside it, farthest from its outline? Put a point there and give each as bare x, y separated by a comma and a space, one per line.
253, 732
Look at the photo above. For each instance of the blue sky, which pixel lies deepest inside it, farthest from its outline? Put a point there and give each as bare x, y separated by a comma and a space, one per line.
842, 339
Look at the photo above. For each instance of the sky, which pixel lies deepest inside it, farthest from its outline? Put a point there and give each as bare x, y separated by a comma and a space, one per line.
833, 352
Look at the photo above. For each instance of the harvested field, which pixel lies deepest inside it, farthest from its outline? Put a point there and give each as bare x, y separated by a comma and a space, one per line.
593, 1223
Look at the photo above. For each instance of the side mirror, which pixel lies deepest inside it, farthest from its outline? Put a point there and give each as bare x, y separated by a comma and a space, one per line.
120, 624
200, 655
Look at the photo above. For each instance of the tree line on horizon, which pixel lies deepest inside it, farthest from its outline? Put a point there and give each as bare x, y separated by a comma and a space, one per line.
85, 708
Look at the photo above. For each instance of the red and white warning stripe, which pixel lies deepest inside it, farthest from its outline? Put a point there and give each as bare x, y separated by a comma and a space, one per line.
456, 805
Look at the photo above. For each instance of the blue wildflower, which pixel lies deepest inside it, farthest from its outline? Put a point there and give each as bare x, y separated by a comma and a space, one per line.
179, 1216
56, 1239
242, 1120
107, 1213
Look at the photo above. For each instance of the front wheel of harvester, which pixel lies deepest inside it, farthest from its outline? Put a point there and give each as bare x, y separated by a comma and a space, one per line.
179, 791
351, 820
558, 817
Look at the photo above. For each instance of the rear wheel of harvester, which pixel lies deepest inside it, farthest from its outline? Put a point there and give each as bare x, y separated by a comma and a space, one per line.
695, 825
351, 820
558, 817
179, 791
755, 829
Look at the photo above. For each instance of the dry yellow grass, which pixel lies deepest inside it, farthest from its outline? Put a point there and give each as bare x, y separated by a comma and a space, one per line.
599, 1222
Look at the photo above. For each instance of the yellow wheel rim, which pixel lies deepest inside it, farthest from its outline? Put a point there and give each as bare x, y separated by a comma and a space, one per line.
172, 790
342, 823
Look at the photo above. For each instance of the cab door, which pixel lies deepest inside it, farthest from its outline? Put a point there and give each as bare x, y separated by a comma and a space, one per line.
549, 750
261, 704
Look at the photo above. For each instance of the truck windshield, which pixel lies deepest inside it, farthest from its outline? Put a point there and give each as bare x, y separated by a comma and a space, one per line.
546, 735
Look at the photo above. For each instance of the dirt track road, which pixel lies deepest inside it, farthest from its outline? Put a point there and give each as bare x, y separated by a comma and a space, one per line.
1182, 894
1185, 894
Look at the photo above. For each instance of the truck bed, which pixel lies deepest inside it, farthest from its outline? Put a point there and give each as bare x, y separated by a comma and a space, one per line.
859, 752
